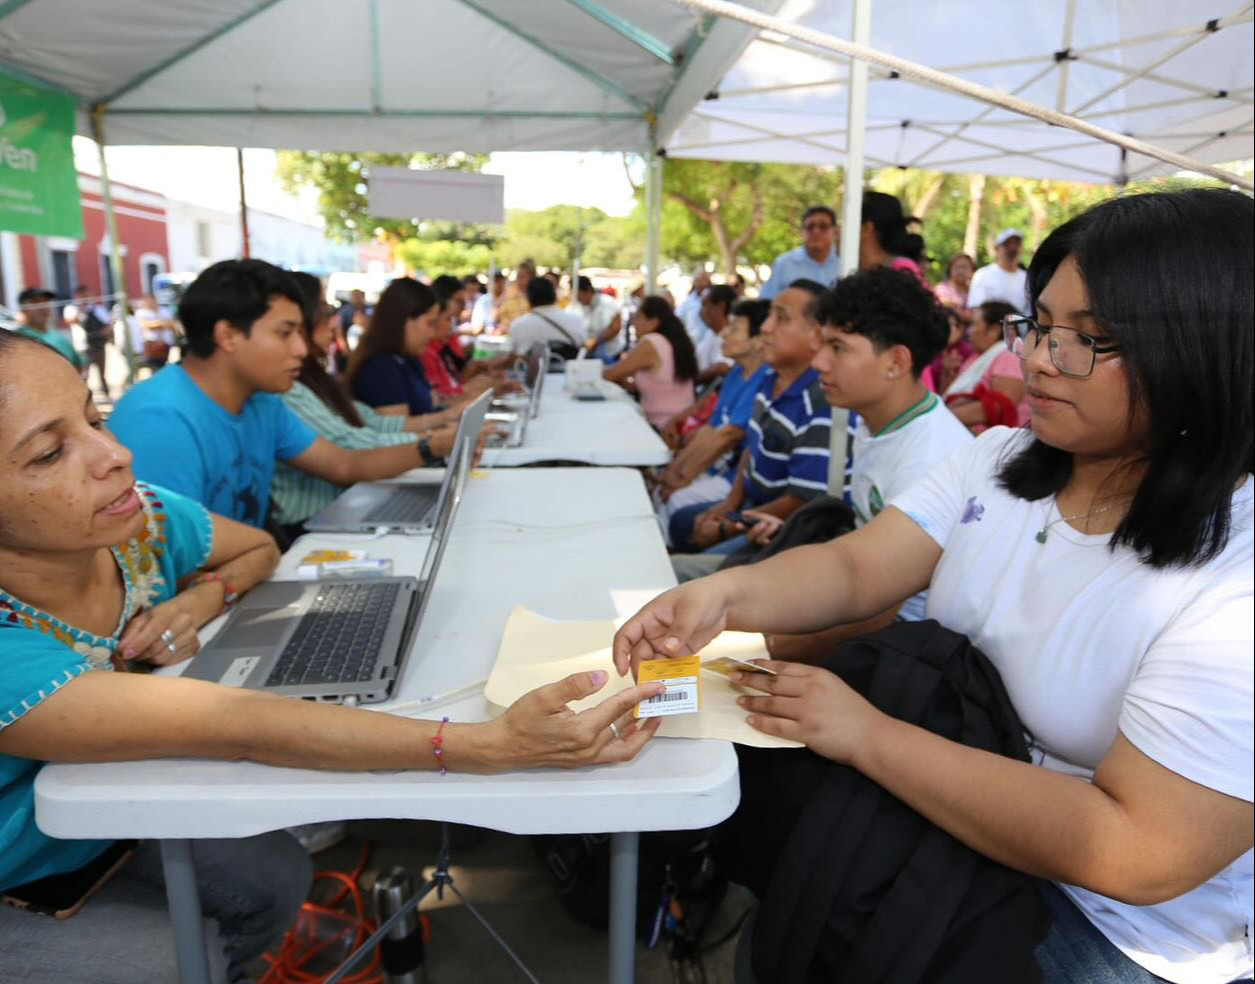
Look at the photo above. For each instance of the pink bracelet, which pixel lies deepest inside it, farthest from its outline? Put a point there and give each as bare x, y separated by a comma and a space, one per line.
437, 746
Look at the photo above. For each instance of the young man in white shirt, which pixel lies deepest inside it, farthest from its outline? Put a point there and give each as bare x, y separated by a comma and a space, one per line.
603, 320
1004, 279
562, 331
880, 328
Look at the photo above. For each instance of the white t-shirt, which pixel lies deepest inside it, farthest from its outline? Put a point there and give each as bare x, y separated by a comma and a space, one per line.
888, 464
709, 350
992, 283
532, 327
597, 318
1090, 643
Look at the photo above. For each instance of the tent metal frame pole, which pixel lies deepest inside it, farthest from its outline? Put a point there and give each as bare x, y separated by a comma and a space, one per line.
851, 217
855, 142
246, 250
115, 248
653, 217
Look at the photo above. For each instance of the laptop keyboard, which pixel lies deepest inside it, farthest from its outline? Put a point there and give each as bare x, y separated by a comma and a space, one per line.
338, 639
408, 504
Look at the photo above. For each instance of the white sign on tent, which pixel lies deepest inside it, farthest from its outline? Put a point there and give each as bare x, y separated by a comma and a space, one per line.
456, 196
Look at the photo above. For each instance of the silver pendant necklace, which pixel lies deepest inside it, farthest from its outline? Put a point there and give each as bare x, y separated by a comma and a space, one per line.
1044, 532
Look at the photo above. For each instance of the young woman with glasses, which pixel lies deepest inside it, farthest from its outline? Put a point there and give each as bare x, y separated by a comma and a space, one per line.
1102, 560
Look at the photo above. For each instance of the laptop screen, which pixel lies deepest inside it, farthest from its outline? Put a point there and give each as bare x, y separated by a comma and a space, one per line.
459, 468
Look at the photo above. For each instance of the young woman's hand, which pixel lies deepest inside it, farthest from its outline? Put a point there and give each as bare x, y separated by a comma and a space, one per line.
145, 638
811, 705
678, 622
540, 730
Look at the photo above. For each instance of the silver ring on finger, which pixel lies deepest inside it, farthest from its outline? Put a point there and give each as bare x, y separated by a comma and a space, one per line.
168, 638
614, 730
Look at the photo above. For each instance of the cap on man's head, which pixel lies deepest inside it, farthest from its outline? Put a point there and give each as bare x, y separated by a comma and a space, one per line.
1007, 234
35, 295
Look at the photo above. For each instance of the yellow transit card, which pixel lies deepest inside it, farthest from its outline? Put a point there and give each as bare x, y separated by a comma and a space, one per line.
332, 556
682, 680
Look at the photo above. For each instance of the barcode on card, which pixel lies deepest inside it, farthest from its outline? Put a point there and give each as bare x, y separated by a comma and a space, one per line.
680, 697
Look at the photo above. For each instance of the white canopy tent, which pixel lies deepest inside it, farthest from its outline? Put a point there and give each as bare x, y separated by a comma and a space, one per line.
1166, 73
376, 75
382, 75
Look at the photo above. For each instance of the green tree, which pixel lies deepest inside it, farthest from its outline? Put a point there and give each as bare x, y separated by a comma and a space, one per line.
446, 256
341, 182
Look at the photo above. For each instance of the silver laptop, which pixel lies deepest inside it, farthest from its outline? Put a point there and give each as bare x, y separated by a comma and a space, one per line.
512, 423
368, 506
335, 640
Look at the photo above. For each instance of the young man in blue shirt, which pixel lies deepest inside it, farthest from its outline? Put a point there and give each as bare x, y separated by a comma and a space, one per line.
212, 426
704, 466
785, 461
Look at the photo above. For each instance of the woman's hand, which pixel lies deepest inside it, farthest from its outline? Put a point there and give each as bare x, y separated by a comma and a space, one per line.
143, 640
539, 729
811, 705
678, 622
441, 441
765, 527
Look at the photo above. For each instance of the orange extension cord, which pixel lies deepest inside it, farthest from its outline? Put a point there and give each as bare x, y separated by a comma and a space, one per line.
320, 927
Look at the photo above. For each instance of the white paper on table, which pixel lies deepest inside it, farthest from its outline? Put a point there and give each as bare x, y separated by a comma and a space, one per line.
536, 650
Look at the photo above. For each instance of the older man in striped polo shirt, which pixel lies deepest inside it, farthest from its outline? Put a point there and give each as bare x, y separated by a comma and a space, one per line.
785, 462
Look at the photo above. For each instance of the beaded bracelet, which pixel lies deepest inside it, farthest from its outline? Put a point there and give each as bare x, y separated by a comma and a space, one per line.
437, 746
229, 595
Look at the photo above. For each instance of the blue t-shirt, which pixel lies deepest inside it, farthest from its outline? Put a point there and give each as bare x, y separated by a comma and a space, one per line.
734, 406
183, 440
39, 655
796, 264
386, 379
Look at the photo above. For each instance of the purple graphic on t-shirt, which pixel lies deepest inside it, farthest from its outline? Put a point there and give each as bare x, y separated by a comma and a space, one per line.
972, 511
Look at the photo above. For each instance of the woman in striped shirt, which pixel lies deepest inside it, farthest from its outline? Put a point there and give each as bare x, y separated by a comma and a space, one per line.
318, 400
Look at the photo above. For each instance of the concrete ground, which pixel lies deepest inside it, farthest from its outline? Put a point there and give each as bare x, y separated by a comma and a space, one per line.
504, 878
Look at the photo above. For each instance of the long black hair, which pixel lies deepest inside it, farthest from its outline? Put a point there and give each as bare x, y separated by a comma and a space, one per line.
1169, 278
313, 373
892, 226
671, 328
401, 300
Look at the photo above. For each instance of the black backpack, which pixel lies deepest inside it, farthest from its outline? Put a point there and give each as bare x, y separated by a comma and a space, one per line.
855, 886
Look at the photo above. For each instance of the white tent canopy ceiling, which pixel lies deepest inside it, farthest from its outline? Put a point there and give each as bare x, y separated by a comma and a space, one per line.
379, 75
1170, 74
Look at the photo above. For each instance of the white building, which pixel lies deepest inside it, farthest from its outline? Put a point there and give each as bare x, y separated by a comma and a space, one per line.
199, 236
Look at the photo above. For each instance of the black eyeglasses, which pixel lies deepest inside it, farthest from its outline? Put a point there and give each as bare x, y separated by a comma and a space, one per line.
1072, 352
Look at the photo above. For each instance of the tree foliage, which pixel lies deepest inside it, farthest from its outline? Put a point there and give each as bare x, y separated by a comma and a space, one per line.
736, 214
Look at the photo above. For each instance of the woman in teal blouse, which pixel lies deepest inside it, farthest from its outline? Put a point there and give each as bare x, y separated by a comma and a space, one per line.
96, 570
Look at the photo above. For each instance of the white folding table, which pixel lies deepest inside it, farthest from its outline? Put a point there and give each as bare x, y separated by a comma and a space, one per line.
576, 543
613, 432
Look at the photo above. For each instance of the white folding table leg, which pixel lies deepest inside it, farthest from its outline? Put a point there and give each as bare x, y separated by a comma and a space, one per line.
185, 916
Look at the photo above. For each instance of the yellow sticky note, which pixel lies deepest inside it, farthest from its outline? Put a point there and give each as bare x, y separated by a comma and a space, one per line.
330, 556
682, 678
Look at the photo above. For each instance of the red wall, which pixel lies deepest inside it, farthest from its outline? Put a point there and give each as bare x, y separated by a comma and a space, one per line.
141, 229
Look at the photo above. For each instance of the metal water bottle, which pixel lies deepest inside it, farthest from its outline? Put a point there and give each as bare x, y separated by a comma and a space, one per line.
401, 951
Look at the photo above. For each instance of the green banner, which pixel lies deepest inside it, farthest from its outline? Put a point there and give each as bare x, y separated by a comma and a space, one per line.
38, 183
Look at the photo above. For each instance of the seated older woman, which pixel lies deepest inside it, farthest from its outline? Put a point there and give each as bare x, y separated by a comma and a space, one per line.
96, 570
